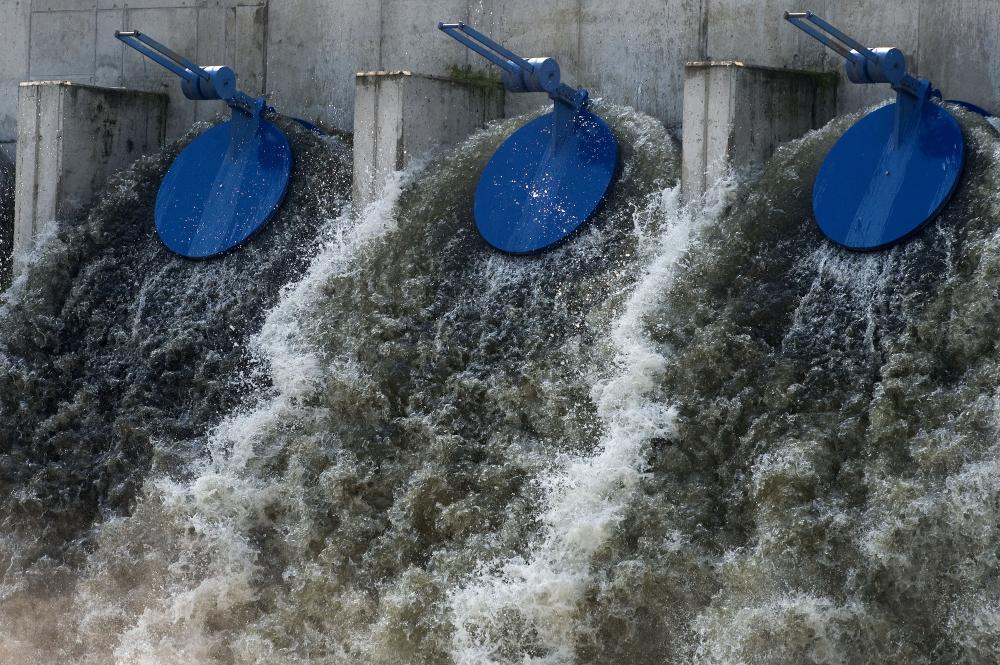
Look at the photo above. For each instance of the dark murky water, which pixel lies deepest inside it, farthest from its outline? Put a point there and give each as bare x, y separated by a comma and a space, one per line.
690, 435
114, 353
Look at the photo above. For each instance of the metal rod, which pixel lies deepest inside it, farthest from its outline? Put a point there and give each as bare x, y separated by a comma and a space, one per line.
161, 54
846, 42
486, 47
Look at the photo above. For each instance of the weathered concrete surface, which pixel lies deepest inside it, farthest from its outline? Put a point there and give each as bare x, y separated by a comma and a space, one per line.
736, 115
71, 137
648, 52
13, 67
633, 51
400, 117
960, 49
314, 49
305, 52
73, 40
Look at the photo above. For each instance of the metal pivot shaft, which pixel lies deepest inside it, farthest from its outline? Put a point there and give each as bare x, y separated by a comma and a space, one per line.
863, 65
878, 65
209, 83
197, 83
525, 75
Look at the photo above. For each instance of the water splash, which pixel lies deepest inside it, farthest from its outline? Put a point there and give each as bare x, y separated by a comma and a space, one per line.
422, 384
690, 435
526, 609
834, 427
112, 353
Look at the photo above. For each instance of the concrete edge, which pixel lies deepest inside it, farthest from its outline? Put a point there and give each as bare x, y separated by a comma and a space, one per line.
364, 78
395, 73
87, 86
705, 64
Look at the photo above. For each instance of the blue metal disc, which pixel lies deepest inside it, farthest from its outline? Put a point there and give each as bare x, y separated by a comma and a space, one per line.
531, 197
871, 194
216, 195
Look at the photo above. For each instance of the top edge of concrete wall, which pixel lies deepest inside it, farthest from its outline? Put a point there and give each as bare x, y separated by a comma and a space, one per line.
369, 78
386, 74
107, 90
700, 64
304, 54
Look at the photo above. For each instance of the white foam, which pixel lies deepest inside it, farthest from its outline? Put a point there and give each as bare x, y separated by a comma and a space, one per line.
220, 504
43, 244
585, 496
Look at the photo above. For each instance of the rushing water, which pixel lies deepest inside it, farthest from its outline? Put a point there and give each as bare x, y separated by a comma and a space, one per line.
6, 218
113, 354
689, 435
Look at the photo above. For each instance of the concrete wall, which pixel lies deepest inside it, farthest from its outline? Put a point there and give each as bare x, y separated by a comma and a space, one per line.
71, 137
401, 116
736, 115
73, 40
305, 52
632, 51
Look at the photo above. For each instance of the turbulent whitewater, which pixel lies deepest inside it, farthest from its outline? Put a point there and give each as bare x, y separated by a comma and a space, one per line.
692, 434
115, 353
6, 217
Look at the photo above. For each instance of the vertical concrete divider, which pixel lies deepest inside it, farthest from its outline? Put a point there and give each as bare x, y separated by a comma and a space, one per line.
71, 137
735, 115
401, 116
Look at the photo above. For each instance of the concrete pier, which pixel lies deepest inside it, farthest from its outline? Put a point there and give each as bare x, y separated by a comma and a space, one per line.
71, 137
735, 115
401, 116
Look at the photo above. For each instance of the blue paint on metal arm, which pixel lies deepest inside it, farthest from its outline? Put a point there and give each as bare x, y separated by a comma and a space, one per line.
895, 169
551, 175
228, 183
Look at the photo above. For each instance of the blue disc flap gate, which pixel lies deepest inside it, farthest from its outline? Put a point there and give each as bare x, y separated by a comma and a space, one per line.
228, 183
895, 169
551, 175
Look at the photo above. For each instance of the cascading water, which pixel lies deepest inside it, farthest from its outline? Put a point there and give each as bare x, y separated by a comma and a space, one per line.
6, 217
829, 491
113, 352
688, 435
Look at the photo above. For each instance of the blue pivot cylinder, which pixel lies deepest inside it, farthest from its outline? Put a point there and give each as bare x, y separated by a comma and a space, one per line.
229, 182
896, 168
552, 174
